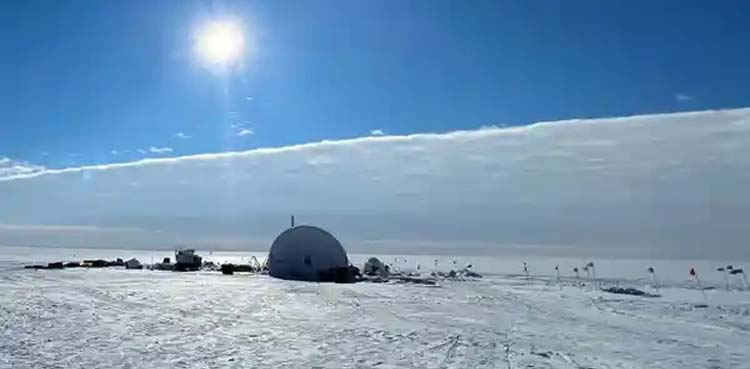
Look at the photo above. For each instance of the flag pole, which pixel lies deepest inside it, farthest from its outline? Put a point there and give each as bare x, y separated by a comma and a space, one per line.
744, 277
593, 273
526, 271
726, 279
698, 281
652, 271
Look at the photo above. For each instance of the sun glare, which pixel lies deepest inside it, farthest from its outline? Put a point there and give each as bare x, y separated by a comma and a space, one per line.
220, 42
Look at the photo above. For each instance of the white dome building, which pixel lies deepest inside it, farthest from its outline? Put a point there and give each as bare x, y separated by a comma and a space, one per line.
305, 253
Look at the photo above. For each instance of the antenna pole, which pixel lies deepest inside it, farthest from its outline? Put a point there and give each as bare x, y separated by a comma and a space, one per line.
292, 220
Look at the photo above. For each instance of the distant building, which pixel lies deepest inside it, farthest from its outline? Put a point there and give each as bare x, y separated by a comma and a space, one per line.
187, 260
306, 253
133, 264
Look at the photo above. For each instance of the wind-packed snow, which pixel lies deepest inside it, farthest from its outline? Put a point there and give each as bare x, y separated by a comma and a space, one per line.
96, 318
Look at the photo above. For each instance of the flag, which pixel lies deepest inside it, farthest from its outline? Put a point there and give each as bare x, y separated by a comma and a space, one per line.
720, 269
651, 270
575, 270
729, 267
737, 271
557, 267
692, 272
590, 264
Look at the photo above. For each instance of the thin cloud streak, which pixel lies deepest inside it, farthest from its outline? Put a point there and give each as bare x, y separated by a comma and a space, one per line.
245, 132
160, 150
10, 167
64, 228
682, 97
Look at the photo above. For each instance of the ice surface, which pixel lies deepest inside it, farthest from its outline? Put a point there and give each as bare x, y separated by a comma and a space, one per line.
97, 318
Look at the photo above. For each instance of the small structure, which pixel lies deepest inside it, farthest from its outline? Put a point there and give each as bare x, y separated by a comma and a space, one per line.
187, 260
96, 263
161, 266
227, 269
374, 267
308, 253
628, 291
133, 264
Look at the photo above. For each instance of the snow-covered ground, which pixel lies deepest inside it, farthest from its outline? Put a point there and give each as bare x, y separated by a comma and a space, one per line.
95, 318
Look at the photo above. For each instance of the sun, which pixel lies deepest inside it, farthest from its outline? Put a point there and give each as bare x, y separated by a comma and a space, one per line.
220, 42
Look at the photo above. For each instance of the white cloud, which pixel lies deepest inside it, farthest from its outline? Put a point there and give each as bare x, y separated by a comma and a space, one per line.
377, 132
160, 150
245, 132
142, 151
44, 154
644, 186
10, 167
682, 97
240, 129
114, 152
182, 135
249, 98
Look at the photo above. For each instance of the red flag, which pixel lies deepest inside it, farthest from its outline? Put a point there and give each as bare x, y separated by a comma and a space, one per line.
692, 272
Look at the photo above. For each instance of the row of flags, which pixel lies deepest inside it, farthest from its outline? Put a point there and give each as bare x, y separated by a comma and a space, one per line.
724, 270
586, 267
728, 269
590, 265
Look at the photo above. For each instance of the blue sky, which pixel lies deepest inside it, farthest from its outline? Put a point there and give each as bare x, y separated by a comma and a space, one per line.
80, 79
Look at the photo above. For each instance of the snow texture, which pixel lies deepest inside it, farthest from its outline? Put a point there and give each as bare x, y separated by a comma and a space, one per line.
96, 318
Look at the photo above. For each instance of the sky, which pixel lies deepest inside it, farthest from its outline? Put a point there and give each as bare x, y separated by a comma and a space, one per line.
382, 96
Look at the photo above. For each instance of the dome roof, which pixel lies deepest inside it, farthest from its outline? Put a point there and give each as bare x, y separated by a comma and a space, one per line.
304, 252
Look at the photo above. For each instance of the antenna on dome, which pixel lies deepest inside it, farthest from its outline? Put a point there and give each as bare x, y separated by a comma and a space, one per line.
292, 220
